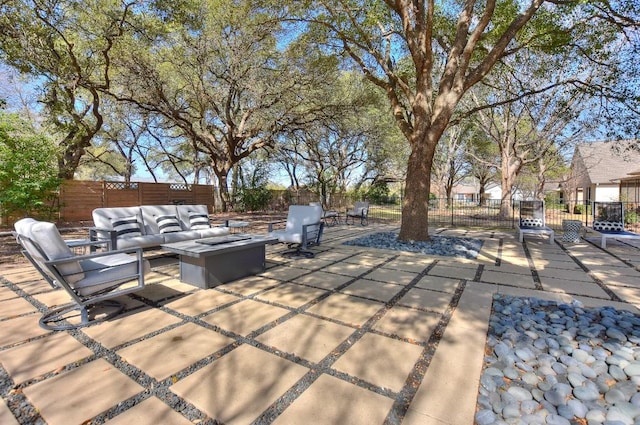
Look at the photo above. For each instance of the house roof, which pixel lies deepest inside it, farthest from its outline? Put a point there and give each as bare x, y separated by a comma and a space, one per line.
607, 161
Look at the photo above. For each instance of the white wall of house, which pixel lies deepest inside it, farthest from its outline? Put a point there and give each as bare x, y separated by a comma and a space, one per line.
606, 193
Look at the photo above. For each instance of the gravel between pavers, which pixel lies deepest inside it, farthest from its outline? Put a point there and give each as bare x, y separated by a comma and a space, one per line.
550, 363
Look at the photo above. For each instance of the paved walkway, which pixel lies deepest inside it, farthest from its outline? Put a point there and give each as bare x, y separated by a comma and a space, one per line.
352, 336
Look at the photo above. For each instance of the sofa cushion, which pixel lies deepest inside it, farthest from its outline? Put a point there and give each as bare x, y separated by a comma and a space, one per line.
198, 221
185, 235
608, 226
106, 272
126, 227
144, 241
213, 231
168, 224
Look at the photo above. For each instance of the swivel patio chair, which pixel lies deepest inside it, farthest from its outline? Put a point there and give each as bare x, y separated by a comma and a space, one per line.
303, 229
608, 220
92, 281
360, 211
532, 220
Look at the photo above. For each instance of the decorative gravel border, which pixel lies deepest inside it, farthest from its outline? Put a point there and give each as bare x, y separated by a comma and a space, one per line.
448, 246
561, 364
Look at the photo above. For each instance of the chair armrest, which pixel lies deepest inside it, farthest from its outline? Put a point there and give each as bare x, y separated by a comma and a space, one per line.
136, 250
98, 234
92, 243
305, 234
275, 222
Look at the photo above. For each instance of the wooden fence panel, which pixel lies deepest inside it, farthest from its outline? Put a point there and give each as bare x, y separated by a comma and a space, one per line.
120, 194
153, 193
78, 198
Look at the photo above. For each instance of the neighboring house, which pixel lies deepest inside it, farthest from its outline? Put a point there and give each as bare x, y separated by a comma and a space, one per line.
630, 187
469, 191
598, 167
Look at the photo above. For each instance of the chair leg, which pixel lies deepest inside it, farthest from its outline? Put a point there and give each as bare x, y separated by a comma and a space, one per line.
58, 319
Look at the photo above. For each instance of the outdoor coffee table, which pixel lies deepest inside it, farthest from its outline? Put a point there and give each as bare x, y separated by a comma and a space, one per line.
209, 262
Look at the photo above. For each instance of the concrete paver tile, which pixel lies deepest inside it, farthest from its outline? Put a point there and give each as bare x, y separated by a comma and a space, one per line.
334, 255
53, 298
236, 388
380, 360
573, 287
200, 302
291, 295
437, 283
245, 316
20, 329
347, 309
367, 259
15, 307
178, 348
162, 291
508, 268
408, 323
423, 298
372, 289
249, 285
398, 277
577, 275
519, 260
129, 326
324, 280
409, 265
456, 272
525, 280
23, 275
285, 273
450, 386
35, 358
6, 417
7, 294
347, 269
307, 337
77, 395
152, 411
459, 263
331, 401
618, 279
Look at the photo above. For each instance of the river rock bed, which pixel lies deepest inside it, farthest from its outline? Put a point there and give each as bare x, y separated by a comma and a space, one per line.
559, 364
449, 246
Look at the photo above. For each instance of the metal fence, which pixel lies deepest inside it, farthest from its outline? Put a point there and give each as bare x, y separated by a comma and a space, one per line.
447, 213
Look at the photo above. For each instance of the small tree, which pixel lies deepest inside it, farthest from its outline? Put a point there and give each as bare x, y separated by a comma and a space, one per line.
28, 171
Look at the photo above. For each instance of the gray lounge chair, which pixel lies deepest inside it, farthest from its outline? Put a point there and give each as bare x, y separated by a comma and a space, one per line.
92, 281
360, 211
303, 229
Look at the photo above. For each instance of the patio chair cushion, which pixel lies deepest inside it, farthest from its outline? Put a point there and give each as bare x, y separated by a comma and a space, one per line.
106, 272
608, 226
168, 224
127, 227
47, 236
198, 221
531, 222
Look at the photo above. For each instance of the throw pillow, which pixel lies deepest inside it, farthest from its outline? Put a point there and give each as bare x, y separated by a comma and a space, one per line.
126, 227
168, 223
198, 221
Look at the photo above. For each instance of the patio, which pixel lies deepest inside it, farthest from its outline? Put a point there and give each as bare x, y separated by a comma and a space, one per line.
353, 336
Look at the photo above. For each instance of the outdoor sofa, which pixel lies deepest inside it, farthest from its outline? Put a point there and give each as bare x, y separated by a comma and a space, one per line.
149, 226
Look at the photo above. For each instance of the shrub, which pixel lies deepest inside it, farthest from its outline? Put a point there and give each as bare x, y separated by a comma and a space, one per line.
255, 198
28, 170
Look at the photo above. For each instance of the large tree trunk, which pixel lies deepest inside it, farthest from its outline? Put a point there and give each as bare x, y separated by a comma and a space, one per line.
507, 182
415, 209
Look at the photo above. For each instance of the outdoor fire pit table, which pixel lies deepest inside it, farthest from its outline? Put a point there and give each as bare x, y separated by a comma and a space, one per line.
571, 230
209, 262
